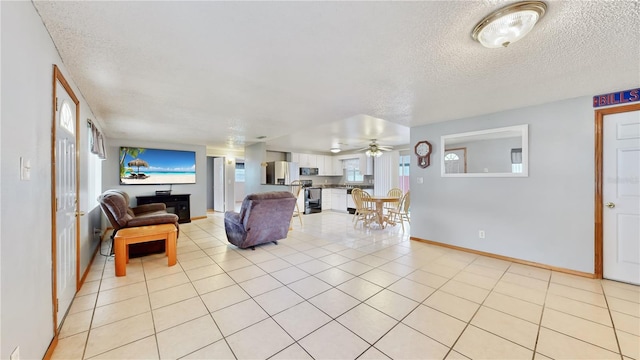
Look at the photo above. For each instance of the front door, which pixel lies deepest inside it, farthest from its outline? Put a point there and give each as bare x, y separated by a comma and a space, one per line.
66, 202
621, 196
455, 161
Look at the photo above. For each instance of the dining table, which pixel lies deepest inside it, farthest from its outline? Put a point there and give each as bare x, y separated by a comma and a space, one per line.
380, 201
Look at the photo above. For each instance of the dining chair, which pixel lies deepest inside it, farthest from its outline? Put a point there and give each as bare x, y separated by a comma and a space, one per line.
359, 195
368, 203
397, 193
296, 187
402, 212
363, 212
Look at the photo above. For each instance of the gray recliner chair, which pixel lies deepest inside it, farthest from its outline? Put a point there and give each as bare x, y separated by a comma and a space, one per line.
263, 217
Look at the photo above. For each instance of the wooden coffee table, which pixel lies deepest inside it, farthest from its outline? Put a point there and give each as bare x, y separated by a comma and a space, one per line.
134, 235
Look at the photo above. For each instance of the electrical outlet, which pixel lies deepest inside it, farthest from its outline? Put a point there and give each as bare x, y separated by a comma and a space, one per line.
481, 234
15, 355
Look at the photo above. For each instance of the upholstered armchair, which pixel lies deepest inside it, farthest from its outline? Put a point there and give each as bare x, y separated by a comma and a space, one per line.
115, 206
263, 217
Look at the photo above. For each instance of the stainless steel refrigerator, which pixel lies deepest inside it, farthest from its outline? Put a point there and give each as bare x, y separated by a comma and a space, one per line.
282, 172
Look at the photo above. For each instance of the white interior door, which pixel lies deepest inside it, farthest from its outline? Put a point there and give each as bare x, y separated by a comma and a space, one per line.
621, 197
66, 201
218, 184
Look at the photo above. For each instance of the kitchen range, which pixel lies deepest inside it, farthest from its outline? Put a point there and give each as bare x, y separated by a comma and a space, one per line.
312, 197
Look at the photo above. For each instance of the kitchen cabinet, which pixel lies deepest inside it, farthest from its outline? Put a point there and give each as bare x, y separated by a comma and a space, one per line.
334, 166
313, 161
350, 203
326, 199
295, 157
327, 165
304, 160
322, 171
338, 168
366, 165
339, 199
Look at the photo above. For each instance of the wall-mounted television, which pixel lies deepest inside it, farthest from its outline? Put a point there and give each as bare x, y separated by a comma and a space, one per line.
142, 166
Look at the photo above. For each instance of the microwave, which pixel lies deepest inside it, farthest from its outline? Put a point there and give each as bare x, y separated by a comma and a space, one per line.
308, 171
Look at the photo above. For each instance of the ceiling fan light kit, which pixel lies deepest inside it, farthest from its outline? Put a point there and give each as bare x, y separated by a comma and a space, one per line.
375, 150
373, 153
508, 24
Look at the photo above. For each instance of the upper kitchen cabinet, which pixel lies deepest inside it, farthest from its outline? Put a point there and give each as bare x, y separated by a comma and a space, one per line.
327, 165
366, 165
304, 160
295, 157
320, 165
337, 166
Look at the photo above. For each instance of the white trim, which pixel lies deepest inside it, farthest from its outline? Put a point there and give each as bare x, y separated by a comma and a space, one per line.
523, 129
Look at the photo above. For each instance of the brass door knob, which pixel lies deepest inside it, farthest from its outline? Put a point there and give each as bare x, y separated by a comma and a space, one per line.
610, 205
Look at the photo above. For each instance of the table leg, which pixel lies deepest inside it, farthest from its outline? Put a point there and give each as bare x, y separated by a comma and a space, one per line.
170, 246
121, 256
380, 215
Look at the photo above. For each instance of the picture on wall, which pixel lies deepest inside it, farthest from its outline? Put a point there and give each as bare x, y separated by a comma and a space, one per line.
141, 166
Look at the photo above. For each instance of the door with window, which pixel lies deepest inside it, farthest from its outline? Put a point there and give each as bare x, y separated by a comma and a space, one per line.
621, 196
455, 161
65, 198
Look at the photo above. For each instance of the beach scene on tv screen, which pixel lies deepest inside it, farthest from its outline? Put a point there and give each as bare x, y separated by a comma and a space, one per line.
156, 166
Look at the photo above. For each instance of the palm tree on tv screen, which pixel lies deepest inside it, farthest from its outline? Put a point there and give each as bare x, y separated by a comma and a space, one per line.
133, 152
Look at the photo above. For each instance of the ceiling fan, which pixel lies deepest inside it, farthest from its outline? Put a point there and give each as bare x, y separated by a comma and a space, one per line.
375, 149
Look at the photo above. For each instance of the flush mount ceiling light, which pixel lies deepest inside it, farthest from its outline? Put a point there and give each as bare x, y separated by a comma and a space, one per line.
508, 24
335, 150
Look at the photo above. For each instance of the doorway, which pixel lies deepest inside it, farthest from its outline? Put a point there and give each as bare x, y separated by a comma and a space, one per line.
64, 200
617, 205
218, 184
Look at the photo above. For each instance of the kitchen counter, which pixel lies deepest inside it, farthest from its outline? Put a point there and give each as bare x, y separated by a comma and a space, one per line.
346, 187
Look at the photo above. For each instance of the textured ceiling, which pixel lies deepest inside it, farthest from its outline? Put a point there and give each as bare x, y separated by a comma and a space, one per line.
308, 75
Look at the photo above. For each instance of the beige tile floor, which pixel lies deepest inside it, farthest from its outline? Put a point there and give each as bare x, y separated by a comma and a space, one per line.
331, 292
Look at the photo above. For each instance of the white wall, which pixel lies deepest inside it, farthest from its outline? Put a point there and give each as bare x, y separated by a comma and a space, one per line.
254, 156
546, 217
28, 55
239, 193
198, 191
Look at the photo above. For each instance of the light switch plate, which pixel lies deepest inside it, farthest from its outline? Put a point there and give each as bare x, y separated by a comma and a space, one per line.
25, 169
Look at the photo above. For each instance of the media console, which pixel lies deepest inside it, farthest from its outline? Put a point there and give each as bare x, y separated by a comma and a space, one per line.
177, 204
